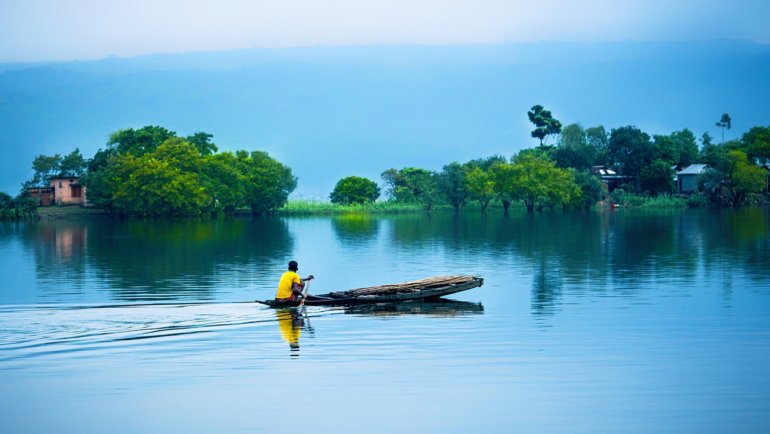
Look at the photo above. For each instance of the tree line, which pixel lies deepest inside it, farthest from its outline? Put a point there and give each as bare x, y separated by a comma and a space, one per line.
153, 171
564, 174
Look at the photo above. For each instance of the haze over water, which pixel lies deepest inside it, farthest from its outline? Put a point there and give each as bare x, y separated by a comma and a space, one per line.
626, 321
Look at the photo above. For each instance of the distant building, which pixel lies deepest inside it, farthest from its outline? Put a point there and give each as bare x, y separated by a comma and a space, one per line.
610, 179
687, 178
68, 191
44, 195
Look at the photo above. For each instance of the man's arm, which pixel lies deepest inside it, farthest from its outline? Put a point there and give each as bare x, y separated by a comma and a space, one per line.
297, 287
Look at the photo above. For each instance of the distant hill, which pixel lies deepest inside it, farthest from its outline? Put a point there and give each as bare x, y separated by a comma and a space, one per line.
330, 112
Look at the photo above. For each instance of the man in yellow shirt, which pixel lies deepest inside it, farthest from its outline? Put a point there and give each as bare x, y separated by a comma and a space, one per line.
290, 286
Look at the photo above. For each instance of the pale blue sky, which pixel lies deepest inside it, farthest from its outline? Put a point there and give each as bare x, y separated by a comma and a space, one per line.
35, 30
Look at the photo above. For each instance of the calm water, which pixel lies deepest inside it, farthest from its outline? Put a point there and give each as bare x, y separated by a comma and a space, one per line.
592, 322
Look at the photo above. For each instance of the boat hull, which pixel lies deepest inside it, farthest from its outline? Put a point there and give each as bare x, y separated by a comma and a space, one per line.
331, 300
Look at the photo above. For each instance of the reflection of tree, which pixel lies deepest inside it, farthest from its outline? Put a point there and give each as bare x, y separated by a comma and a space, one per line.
162, 259
737, 236
158, 259
596, 251
356, 229
546, 289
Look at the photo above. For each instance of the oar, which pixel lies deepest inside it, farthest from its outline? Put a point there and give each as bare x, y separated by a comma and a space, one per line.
304, 293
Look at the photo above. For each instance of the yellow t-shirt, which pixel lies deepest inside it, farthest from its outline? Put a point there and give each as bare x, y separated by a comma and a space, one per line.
285, 284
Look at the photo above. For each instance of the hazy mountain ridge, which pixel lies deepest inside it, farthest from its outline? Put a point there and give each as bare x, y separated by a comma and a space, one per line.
330, 112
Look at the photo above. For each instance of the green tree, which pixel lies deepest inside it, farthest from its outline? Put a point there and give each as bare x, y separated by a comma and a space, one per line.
687, 146
666, 150
545, 124
202, 141
729, 181
536, 180
46, 167
155, 187
757, 142
481, 186
598, 139
268, 182
657, 178
73, 164
630, 150
453, 185
355, 189
139, 141
724, 122
590, 187
224, 182
574, 149
413, 185
503, 179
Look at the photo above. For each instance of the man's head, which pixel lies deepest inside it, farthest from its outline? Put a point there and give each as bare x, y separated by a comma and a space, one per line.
293, 266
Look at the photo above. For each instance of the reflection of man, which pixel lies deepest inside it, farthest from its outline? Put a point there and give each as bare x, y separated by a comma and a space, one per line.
290, 322
290, 286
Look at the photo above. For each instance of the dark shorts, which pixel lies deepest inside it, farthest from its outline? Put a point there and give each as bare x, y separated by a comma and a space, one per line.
288, 300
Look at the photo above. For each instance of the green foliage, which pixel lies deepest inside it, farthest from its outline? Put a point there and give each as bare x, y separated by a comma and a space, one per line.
412, 185
481, 186
268, 182
575, 150
46, 167
453, 184
697, 200
591, 189
657, 178
757, 142
202, 142
139, 142
724, 122
545, 124
598, 139
732, 179
354, 189
24, 206
138, 176
224, 182
536, 181
73, 164
625, 198
503, 175
687, 146
630, 150
310, 207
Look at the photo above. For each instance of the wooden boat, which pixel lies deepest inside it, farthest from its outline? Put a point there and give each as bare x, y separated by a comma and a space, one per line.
422, 289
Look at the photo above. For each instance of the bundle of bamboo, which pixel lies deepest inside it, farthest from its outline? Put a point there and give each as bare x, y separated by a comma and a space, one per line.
411, 286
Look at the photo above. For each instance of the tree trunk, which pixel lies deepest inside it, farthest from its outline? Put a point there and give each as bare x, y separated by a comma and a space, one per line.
506, 205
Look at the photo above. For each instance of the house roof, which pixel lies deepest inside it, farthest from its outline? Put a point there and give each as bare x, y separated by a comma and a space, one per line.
693, 169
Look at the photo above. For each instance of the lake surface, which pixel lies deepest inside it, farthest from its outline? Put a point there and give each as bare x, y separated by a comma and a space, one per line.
625, 321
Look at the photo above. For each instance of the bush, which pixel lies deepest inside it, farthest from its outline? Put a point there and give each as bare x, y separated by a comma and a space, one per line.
697, 200
22, 207
354, 189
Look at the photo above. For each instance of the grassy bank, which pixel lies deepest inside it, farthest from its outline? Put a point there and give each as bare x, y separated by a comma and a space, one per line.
637, 201
68, 212
311, 207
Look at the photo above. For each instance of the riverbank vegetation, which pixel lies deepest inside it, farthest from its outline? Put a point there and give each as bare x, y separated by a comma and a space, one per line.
20, 207
152, 171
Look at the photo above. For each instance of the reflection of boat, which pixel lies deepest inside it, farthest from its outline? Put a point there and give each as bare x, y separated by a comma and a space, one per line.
439, 307
422, 289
